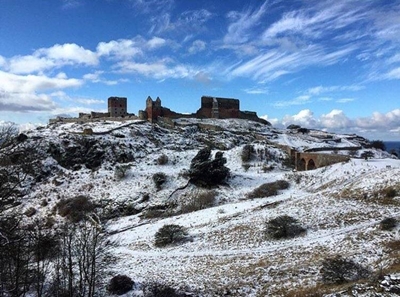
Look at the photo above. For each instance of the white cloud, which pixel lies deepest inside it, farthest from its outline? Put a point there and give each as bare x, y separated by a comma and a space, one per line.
47, 58
159, 70
96, 77
119, 49
335, 119
256, 91
274, 63
377, 126
23, 93
273, 121
69, 4
69, 53
300, 100
197, 46
2, 61
345, 100
151, 6
156, 42
25, 102
393, 74
242, 24
304, 118
390, 120
13, 83
188, 22
29, 64
321, 89
318, 20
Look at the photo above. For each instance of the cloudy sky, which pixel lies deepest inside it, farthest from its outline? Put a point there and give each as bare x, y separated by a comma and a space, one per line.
331, 65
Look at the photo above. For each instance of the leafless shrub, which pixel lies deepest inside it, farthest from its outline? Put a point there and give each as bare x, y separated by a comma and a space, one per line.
268, 189
338, 270
75, 209
199, 200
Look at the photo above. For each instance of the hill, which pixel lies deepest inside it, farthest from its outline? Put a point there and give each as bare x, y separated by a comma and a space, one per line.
131, 179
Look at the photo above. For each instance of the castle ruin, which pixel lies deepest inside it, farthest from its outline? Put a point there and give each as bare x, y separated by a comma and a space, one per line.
117, 107
211, 107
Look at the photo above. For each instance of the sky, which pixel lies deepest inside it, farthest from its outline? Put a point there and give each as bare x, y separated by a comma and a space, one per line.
321, 64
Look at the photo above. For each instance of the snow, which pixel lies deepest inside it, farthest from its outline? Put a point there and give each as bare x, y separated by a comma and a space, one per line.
228, 248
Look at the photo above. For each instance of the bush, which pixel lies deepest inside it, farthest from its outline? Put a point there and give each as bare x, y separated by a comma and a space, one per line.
388, 224
162, 160
160, 290
390, 192
338, 270
246, 153
120, 171
268, 189
284, 227
170, 234
75, 209
200, 200
367, 155
378, 144
120, 284
206, 172
159, 178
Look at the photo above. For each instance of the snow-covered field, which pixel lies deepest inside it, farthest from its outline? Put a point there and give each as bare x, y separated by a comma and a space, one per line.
228, 253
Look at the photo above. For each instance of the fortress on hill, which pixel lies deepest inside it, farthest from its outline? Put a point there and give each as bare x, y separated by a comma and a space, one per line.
211, 107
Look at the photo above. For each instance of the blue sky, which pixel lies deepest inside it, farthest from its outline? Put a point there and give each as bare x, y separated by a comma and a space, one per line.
332, 65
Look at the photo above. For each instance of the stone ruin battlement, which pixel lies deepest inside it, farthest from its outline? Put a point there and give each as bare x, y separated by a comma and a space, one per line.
211, 107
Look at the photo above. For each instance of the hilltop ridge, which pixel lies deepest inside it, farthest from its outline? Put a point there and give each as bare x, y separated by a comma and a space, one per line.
227, 253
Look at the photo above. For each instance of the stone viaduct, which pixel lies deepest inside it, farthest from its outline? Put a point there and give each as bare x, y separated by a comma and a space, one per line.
308, 161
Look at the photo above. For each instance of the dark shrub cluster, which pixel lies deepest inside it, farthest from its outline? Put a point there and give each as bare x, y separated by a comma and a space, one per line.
161, 290
284, 227
247, 152
120, 284
170, 234
162, 160
159, 178
206, 172
378, 144
268, 189
388, 224
338, 270
390, 192
76, 208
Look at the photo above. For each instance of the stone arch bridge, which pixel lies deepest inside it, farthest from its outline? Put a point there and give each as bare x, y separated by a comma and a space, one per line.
309, 161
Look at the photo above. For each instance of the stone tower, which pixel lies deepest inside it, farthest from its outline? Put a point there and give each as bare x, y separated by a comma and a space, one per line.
117, 106
153, 109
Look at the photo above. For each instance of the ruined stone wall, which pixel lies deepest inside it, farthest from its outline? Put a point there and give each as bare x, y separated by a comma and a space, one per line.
94, 114
227, 107
252, 116
89, 120
117, 106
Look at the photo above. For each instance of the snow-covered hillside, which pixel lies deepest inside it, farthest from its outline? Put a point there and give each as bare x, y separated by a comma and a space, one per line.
227, 252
